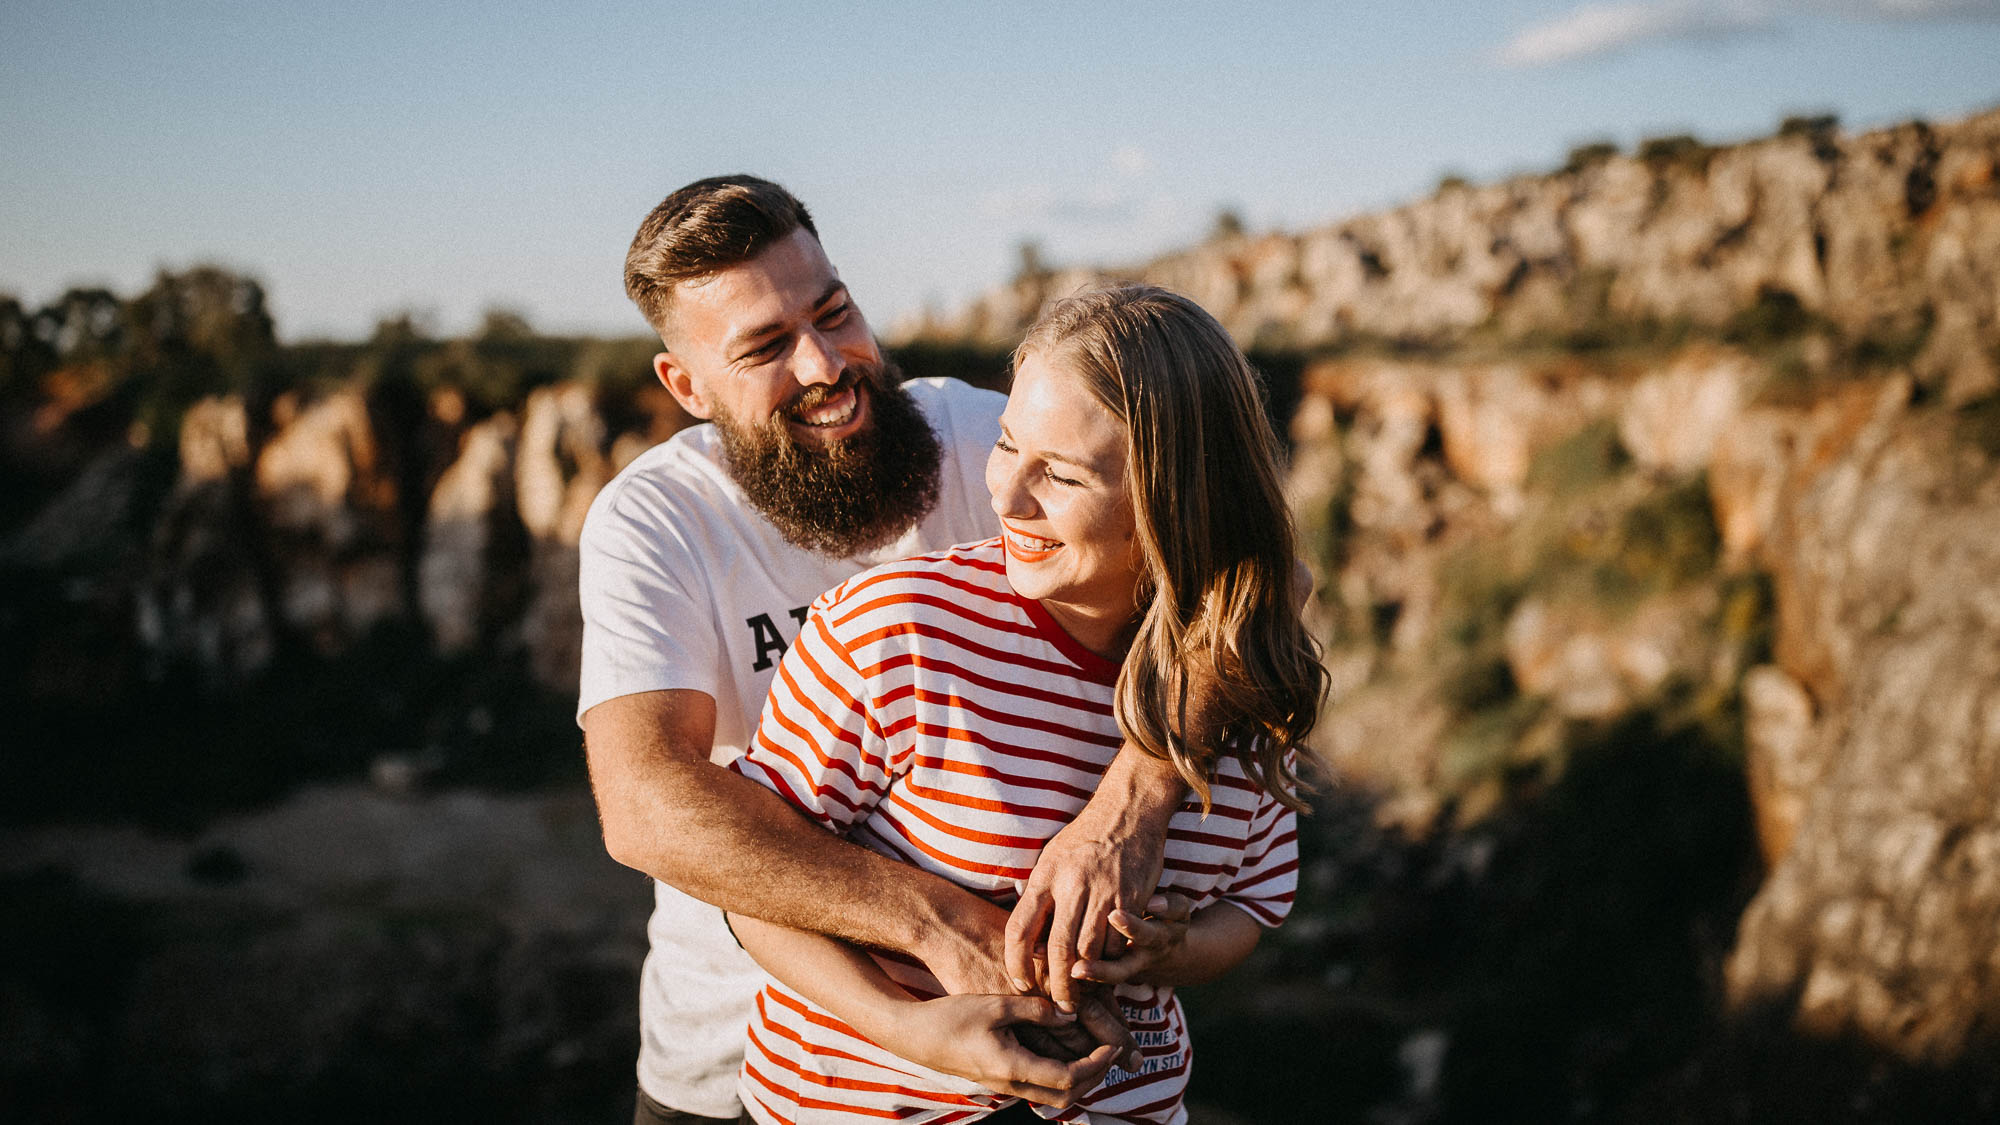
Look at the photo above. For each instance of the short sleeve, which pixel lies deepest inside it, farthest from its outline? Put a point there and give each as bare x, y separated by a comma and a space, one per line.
644, 626
815, 745
1268, 880
967, 422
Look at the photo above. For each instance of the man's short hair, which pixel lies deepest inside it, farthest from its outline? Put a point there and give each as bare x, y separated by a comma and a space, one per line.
703, 229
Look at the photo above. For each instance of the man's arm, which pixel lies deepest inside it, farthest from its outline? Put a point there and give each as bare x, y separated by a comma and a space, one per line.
668, 811
1107, 859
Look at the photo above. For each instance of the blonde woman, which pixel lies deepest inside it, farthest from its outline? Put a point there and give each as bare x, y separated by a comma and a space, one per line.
955, 710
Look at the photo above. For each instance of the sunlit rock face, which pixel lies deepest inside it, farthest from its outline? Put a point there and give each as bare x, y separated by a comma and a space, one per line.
204, 597
560, 467
464, 570
329, 507
1498, 566
333, 517
1878, 742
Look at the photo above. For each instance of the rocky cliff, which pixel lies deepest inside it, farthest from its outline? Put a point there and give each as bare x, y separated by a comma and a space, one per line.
1888, 237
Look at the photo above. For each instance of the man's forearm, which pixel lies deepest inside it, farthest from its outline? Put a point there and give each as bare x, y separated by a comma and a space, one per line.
729, 841
1143, 791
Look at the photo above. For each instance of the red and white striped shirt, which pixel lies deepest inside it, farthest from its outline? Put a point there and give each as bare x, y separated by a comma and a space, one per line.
932, 714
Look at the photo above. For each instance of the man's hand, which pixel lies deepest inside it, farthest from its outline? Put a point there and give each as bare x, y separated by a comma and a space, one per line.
974, 1037
1107, 859
1150, 941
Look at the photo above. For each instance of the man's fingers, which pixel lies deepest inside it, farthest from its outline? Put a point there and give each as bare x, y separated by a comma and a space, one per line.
1062, 950
1078, 1078
1090, 941
1024, 929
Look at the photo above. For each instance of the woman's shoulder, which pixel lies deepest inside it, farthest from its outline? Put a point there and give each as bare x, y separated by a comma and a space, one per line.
969, 575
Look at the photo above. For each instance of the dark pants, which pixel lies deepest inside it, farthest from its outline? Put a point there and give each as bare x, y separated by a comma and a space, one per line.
646, 1111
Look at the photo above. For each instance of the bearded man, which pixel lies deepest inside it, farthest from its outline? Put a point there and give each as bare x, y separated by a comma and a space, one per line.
699, 562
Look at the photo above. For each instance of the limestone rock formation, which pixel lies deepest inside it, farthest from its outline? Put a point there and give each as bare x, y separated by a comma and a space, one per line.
1887, 237
330, 510
1878, 739
464, 568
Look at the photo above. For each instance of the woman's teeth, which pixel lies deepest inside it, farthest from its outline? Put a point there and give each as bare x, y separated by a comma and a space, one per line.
1030, 543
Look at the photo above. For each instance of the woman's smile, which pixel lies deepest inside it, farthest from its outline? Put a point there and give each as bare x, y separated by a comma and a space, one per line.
1027, 548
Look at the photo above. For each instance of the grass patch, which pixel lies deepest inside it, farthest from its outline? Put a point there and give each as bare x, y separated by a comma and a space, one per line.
1585, 460
1977, 424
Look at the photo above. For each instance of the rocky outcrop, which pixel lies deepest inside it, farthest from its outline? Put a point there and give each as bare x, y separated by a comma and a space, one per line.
1875, 741
1889, 238
563, 462
314, 538
1499, 570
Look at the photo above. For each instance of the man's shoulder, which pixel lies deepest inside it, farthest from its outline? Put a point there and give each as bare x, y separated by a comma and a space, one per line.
952, 405
676, 478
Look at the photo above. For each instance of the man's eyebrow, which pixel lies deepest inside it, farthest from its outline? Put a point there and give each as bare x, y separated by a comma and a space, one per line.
738, 340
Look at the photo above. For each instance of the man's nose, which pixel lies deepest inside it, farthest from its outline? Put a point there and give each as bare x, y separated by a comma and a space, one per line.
817, 360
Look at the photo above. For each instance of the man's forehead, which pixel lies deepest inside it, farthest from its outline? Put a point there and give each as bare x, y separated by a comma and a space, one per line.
794, 269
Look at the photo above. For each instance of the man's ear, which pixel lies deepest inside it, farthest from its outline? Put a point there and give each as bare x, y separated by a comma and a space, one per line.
680, 383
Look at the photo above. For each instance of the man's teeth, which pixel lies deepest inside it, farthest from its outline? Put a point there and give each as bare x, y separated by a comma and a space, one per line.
831, 412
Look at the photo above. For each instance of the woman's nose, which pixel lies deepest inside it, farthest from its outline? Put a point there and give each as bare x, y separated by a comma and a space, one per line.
1011, 498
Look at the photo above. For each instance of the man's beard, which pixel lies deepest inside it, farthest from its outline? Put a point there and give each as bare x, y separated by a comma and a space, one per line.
844, 497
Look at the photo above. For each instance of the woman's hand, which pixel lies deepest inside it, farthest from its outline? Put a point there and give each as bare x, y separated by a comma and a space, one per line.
974, 1037
1157, 939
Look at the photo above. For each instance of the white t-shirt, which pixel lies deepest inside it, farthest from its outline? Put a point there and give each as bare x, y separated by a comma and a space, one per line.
685, 585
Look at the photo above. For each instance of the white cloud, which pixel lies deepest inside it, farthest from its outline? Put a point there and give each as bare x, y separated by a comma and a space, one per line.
1131, 161
1114, 196
1592, 30
1601, 29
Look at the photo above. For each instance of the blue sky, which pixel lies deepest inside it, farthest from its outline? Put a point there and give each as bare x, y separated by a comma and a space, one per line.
366, 158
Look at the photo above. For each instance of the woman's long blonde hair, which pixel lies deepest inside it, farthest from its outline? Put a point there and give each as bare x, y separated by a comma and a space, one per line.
1219, 639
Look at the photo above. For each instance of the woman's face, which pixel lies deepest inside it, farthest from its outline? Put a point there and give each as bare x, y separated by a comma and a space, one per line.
1057, 476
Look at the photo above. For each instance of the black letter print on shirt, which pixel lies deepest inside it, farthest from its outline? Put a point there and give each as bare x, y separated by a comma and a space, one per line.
765, 636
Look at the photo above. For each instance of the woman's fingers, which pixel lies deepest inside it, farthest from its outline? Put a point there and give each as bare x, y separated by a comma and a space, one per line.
1022, 1073
1076, 1080
1165, 921
1106, 972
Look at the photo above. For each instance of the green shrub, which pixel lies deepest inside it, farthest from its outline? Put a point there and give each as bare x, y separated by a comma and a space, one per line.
1589, 155
1586, 459
1680, 150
